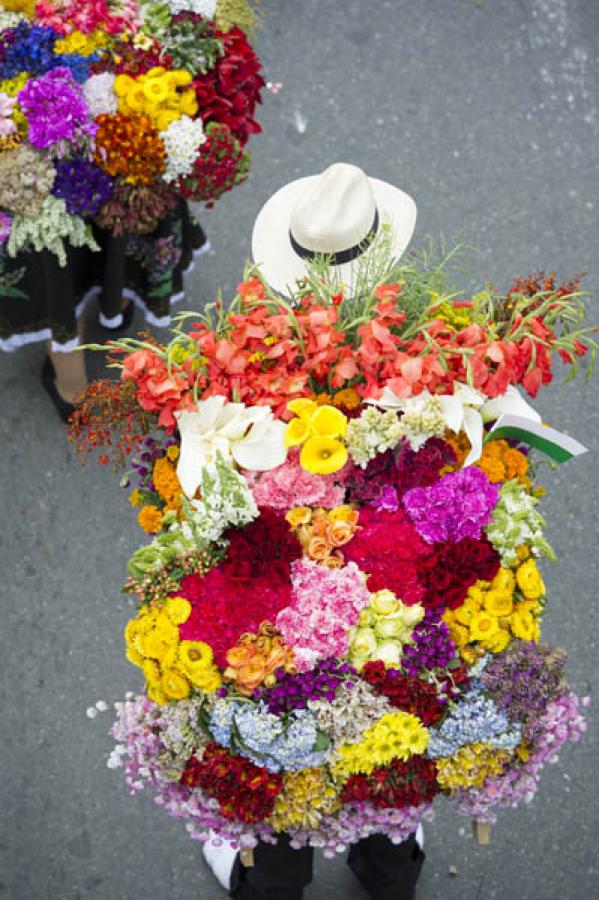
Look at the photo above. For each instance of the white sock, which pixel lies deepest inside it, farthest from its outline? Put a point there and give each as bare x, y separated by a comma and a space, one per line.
220, 856
420, 836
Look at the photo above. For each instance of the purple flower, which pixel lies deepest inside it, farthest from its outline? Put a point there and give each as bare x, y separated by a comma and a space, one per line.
5, 227
456, 507
55, 109
83, 186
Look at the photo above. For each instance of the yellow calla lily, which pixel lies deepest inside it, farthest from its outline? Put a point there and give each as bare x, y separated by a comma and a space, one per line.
296, 432
303, 408
328, 421
323, 455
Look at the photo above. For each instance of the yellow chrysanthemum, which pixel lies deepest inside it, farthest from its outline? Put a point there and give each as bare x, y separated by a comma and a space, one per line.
525, 626
173, 453
395, 735
151, 671
471, 766
483, 626
529, 580
498, 641
178, 609
134, 656
323, 455
305, 798
175, 685
156, 694
135, 498
504, 581
498, 603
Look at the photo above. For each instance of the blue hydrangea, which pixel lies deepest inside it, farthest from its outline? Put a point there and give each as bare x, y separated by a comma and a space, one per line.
276, 743
474, 719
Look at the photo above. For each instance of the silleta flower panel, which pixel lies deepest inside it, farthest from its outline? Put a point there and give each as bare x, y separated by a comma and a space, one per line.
340, 601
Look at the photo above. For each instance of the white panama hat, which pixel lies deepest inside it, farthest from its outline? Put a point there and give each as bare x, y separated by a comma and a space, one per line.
334, 213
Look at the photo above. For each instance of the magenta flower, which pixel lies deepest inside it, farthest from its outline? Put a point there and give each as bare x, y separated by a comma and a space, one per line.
55, 109
458, 506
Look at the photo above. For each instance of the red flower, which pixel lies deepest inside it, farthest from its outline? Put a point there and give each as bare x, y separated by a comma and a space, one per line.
405, 692
243, 790
387, 548
448, 572
250, 587
228, 93
397, 785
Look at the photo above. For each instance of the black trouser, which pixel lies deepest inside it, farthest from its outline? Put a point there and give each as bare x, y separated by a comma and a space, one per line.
387, 871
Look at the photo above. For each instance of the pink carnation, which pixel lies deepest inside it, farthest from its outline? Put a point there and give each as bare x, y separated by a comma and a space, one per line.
325, 605
289, 485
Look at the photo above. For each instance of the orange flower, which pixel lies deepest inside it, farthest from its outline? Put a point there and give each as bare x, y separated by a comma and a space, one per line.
319, 549
150, 519
348, 398
339, 533
166, 482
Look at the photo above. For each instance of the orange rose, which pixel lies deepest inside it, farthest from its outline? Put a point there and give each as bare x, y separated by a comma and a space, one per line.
339, 533
249, 677
240, 655
319, 549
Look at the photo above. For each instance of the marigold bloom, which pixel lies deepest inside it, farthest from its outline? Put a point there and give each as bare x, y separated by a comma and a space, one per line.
150, 519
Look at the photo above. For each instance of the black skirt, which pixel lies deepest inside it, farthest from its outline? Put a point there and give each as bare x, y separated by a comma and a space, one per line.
41, 300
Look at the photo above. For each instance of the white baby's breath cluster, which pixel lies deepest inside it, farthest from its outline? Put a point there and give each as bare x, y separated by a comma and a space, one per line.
10, 19
99, 94
516, 521
49, 231
182, 140
226, 502
205, 8
422, 419
372, 433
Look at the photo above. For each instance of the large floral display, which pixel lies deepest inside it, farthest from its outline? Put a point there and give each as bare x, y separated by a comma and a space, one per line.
111, 109
340, 601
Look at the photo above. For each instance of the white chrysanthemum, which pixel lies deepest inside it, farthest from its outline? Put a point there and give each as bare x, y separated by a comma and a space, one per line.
182, 140
205, 8
99, 94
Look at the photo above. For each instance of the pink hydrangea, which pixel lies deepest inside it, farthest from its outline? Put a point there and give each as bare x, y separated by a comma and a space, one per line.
289, 485
326, 604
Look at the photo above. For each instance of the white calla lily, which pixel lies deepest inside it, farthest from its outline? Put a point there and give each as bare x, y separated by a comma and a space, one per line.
465, 410
248, 435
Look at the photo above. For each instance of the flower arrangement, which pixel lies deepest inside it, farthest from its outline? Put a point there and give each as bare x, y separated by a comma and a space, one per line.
340, 607
116, 107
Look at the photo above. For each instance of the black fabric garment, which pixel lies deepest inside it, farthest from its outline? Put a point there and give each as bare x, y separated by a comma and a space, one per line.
41, 299
388, 871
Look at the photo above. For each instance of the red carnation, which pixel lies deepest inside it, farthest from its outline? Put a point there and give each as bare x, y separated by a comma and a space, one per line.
448, 572
405, 692
395, 786
387, 548
251, 586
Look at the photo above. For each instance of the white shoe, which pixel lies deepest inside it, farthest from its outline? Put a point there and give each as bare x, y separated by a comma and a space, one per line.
420, 836
220, 856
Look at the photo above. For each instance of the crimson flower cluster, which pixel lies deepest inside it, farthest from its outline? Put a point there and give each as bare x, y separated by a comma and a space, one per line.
244, 791
406, 692
250, 587
450, 569
395, 786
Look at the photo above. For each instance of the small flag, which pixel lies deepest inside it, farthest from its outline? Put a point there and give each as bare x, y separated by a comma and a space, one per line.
555, 444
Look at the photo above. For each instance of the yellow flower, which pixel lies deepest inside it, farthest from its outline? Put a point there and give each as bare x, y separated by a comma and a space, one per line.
150, 519
499, 603
464, 613
504, 581
173, 453
522, 552
296, 432
208, 681
178, 609
151, 671
156, 694
347, 398
329, 422
299, 515
195, 656
459, 634
345, 513
396, 734
498, 641
134, 656
483, 626
529, 580
323, 455
524, 626
175, 685
303, 408
135, 498
164, 118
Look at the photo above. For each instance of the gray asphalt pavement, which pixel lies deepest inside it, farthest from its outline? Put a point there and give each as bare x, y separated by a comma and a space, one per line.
486, 112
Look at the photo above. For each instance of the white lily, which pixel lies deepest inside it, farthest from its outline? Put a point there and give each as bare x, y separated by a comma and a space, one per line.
248, 435
465, 410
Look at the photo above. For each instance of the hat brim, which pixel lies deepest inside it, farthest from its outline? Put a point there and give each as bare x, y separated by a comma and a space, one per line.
271, 247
